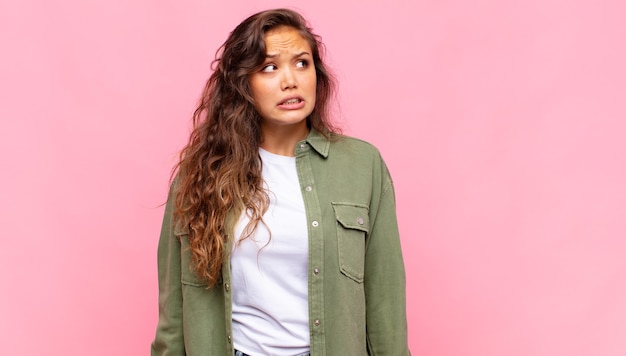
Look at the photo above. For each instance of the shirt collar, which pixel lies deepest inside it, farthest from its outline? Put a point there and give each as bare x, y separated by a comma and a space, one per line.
319, 142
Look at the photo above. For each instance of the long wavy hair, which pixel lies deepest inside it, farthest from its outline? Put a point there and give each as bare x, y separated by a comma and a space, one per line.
219, 171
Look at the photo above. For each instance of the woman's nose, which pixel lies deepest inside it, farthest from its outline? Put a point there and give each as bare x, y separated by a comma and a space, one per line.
289, 80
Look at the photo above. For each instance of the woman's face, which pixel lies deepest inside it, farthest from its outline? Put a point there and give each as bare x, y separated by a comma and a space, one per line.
285, 86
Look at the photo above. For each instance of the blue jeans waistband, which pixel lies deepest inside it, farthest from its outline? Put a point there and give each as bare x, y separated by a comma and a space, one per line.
239, 353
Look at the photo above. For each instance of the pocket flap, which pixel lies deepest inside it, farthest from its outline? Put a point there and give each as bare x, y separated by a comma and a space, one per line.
181, 230
352, 216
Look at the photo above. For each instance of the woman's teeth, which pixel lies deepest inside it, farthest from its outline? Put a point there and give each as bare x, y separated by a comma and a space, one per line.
291, 101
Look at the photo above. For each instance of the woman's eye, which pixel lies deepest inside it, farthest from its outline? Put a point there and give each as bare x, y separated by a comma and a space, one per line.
302, 64
269, 68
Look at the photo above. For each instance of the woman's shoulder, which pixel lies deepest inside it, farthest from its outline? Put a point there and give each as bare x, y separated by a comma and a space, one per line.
341, 143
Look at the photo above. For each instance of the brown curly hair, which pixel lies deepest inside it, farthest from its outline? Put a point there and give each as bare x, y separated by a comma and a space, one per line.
219, 172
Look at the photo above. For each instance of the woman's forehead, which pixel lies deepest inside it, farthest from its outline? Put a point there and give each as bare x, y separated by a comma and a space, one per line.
285, 39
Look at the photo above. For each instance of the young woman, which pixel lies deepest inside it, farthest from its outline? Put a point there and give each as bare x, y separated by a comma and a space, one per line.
280, 235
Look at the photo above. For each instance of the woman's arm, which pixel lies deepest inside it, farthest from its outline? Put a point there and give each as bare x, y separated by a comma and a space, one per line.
385, 278
169, 335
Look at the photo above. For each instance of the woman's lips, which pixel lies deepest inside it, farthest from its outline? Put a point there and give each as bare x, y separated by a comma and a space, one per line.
292, 104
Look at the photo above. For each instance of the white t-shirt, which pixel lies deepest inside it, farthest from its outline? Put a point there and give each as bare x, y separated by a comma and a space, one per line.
270, 274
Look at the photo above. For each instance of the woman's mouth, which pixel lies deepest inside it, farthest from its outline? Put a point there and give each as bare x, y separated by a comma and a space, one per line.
292, 104
291, 101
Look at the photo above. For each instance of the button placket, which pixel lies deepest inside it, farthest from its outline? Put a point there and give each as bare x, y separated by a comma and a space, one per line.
316, 242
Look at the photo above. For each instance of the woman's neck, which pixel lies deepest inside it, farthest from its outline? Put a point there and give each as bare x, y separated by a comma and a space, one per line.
282, 140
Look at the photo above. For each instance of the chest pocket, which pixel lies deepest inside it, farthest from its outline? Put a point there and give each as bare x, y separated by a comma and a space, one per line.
352, 227
187, 276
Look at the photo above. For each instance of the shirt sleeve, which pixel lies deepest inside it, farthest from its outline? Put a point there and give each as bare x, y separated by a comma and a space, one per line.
385, 280
169, 334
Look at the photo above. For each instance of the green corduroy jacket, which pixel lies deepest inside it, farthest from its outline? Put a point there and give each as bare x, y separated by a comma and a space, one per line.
357, 303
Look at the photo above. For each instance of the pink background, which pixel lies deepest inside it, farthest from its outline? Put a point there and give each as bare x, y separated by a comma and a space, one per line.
502, 123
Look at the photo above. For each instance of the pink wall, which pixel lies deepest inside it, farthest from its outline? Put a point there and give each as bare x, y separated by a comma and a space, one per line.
502, 123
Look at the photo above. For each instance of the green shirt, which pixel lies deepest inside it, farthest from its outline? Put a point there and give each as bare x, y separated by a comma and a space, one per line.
357, 302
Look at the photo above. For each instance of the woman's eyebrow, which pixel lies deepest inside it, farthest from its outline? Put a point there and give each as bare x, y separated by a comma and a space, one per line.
274, 55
